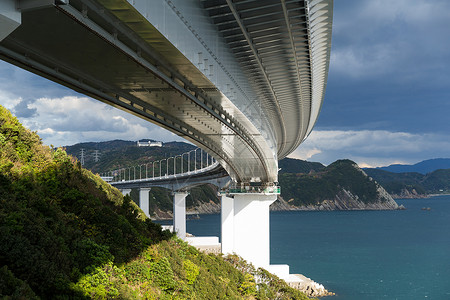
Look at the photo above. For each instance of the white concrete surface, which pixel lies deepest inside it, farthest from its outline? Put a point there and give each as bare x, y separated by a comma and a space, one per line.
179, 214
144, 202
126, 191
167, 227
203, 240
227, 224
245, 227
281, 271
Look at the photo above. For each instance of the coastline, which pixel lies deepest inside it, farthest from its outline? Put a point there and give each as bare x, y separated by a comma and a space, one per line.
297, 281
418, 196
346, 202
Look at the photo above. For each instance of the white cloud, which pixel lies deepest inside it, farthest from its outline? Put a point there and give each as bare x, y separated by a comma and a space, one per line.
360, 62
8, 100
71, 119
372, 148
407, 10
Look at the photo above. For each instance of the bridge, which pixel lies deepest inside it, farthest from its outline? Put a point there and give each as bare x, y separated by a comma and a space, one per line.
244, 80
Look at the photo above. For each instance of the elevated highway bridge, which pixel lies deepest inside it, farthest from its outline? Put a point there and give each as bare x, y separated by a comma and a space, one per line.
242, 79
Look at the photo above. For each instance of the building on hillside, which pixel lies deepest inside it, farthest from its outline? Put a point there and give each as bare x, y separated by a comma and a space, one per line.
149, 144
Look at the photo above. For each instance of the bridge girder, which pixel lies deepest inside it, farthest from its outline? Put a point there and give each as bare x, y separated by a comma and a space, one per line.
131, 60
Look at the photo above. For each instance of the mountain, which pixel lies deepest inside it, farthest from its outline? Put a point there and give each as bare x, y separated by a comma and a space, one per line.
118, 153
422, 167
291, 165
66, 234
340, 186
306, 185
412, 185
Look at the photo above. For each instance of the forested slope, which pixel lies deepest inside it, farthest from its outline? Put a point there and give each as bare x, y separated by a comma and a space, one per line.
404, 185
66, 234
340, 186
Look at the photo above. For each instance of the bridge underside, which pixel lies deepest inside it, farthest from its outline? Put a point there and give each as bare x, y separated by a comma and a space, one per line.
133, 67
244, 80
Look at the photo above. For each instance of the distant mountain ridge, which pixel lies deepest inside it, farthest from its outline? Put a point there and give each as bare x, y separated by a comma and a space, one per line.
412, 184
304, 185
291, 165
340, 186
422, 167
118, 153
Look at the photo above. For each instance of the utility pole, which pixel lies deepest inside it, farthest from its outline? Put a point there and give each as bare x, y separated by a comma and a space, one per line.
96, 156
82, 156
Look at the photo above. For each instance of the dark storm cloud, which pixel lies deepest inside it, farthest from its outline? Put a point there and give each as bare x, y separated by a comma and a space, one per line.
390, 67
22, 109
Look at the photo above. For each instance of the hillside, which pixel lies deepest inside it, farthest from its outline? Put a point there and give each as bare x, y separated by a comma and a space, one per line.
422, 167
412, 185
116, 154
119, 153
300, 181
66, 234
291, 165
340, 186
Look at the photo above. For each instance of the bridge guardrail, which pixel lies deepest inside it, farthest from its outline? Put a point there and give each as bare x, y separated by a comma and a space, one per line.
189, 163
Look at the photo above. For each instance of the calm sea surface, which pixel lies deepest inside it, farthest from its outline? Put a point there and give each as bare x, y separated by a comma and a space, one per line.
363, 255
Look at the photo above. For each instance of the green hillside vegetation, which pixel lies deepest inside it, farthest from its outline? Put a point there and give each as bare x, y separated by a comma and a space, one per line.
302, 182
66, 234
291, 165
432, 183
119, 154
313, 188
436, 181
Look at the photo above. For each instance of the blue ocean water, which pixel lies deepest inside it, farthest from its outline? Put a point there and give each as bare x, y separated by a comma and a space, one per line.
363, 255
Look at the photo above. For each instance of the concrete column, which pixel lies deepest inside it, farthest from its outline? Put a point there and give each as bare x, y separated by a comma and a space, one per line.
251, 227
179, 214
144, 202
125, 191
227, 222
10, 18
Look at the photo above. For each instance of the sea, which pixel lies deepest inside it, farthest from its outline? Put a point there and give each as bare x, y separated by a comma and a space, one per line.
363, 255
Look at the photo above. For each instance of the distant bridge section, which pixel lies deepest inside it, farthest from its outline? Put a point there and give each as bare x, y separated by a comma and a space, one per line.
244, 80
177, 173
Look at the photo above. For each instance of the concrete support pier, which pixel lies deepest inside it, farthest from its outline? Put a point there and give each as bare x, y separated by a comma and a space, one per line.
227, 221
125, 191
179, 214
144, 202
245, 226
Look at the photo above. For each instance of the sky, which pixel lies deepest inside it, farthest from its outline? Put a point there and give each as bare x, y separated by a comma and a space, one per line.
387, 99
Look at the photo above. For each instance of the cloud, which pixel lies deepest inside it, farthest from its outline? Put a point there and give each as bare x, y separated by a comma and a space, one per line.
23, 84
22, 109
8, 100
71, 119
372, 148
367, 61
399, 39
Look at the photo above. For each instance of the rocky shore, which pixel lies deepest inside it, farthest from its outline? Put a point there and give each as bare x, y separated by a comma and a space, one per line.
296, 281
344, 200
406, 194
309, 286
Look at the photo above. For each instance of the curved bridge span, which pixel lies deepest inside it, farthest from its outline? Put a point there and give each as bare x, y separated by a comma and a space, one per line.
244, 80
176, 173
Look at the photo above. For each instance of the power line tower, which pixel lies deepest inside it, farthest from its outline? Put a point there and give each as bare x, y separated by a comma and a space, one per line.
82, 156
96, 155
